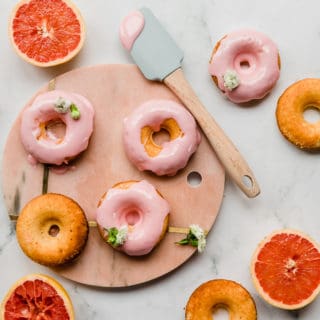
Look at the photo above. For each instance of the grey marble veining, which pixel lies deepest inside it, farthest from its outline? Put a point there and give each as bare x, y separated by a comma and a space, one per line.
289, 178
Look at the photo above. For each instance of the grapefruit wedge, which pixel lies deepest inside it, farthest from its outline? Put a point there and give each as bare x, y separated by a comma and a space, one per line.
46, 32
285, 269
37, 296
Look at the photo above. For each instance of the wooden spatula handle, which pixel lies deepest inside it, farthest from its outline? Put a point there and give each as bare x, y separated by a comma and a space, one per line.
230, 157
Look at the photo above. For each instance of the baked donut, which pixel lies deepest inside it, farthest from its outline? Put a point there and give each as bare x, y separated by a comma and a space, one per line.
221, 293
292, 103
151, 117
52, 229
139, 208
56, 106
245, 65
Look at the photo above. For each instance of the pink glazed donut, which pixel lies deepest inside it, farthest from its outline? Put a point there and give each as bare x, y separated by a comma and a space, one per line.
245, 65
151, 117
137, 207
56, 106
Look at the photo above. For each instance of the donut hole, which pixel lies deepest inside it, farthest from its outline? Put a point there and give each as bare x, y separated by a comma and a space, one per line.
244, 64
54, 230
161, 136
220, 312
132, 216
194, 179
54, 130
153, 138
311, 114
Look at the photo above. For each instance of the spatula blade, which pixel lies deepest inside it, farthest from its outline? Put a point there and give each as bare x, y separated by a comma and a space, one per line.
154, 51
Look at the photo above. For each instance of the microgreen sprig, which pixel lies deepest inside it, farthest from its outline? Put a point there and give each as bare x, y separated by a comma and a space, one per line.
117, 237
231, 80
63, 106
196, 238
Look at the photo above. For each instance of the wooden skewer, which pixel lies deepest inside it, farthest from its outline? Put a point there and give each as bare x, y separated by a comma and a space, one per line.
178, 230
13, 217
45, 177
92, 223
181, 230
52, 84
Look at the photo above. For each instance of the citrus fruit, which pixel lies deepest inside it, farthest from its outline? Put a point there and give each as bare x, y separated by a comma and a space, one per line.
285, 269
46, 32
37, 296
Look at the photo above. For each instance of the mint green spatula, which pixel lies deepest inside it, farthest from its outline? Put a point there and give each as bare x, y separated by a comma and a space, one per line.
159, 58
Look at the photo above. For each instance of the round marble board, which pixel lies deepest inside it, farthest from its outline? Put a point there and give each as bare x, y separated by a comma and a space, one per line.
114, 91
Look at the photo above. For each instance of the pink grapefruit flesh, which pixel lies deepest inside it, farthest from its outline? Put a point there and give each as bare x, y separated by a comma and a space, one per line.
285, 269
46, 32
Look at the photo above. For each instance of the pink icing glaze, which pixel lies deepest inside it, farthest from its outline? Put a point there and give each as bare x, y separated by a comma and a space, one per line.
139, 207
175, 153
254, 57
50, 149
130, 28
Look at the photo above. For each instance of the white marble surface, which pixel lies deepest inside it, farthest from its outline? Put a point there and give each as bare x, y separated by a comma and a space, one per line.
288, 177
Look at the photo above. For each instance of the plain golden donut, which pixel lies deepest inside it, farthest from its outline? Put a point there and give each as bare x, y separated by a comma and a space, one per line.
220, 293
298, 97
52, 229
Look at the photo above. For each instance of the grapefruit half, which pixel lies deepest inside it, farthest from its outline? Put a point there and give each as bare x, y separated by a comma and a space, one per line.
37, 296
285, 269
46, 32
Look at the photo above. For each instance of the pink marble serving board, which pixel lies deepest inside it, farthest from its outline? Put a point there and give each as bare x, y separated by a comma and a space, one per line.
114, 91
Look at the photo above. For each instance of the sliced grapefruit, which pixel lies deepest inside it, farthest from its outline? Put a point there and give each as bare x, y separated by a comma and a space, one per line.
285, 269
34, 297
46, 32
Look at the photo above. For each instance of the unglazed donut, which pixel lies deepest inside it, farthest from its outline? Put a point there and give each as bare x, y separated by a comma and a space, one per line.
245, 65
151, 117
292, 103
139, 207
222, 293
45, 147
52, 229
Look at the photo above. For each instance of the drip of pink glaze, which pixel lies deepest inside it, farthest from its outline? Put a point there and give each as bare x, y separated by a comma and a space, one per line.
130, 28
62, 169
175, 154
50, 149
32, 160
254, 57
139, 207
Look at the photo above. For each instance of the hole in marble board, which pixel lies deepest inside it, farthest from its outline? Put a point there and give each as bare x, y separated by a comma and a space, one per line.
246, 180
311, 114
220, 313
194, 179
161, 136
54, 230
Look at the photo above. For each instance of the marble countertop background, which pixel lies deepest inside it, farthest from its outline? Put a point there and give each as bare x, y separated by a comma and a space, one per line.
289, 178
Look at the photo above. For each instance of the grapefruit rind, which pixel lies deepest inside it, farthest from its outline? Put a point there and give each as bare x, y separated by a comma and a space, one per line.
256, 281
47, 279
57, 61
